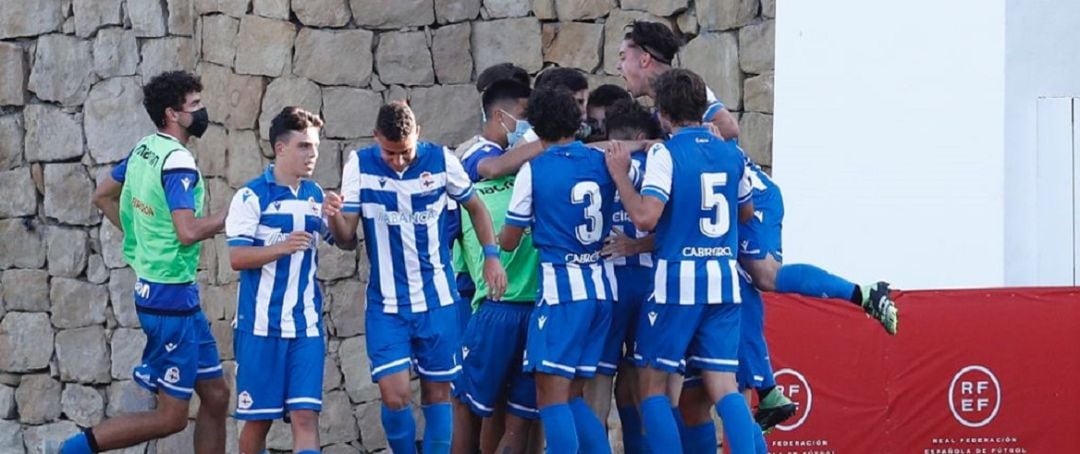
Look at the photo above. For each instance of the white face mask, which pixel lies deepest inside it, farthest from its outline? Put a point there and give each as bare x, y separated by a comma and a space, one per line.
520, 128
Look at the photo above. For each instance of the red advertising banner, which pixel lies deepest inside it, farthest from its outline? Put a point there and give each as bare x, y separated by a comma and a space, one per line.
972, 371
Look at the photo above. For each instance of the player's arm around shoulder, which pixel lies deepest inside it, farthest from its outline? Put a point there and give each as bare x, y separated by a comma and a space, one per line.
646, 206
509, 162
746, 201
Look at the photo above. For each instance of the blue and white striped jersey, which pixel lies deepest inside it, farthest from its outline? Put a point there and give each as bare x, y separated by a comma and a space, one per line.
402, 217
567, 196
621, 220
702, 180
281, 299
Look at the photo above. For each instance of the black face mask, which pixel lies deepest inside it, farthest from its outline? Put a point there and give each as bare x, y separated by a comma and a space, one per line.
200, 120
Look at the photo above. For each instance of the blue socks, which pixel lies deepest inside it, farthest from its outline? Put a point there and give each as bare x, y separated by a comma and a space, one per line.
700, 438
631, 430
559, 429
809, 280
77, 444
439, 427
662, 434
592, 436
740, 429
400, 429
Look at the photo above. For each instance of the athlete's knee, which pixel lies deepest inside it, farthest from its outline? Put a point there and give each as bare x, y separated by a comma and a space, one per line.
434, 392
305, 421
170, 421
214, 396
624, 390
695, 406
652, 382
395, 390
763, 272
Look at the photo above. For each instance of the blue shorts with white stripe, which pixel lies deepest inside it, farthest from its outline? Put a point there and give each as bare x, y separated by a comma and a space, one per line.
706, 335
567, 339
275, 375
428, 339
180, 350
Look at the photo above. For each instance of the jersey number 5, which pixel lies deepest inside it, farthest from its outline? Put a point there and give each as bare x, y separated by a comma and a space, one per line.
719, 222
588, 192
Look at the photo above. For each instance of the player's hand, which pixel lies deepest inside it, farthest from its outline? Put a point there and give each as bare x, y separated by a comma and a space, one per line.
617, 158
296, 242
495, 278
332, 203
715, 130
618, 245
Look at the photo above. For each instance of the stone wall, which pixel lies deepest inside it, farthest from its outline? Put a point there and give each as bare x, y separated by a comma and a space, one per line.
70, 77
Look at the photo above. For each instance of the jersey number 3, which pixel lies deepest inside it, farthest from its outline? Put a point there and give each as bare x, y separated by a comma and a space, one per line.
588, 192
717, 223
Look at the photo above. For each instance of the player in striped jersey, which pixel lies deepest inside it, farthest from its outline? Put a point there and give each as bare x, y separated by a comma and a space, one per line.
569, 214
400, 187
273, 229
695, 192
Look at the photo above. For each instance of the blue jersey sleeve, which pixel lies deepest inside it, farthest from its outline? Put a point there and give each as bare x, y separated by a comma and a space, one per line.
119, 172
471, 162
179, 176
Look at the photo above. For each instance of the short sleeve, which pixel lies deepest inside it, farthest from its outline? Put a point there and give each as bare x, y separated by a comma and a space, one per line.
243, 218
520, 211
458, 184
746, 186
119, 172
350, 184
657, 181
470, 160
179, 176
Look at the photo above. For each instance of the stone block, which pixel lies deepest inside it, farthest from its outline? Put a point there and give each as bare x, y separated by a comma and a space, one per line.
181, 17
273, 9
404, 58
449, 11
380, 14
498, 9
571, 10
52, 134
615, 29
234, 8
83, 405
110, 239
371, 431
347, 307
715, 57
33, 436
68, 249
223, 334
23, 245
68, 191
26, 290
90, 15
662, 8
167, 54
264, 46
337, 423
322, 13
63, 69
451, 53
349, 113
758, 92
755, 136
544, 9
38, 398
13, 75
23, 18
115, 119
76, 304
81, 355
7, 410
231, 99
448, 114
328, 169
116, 53
515, 41
287, 91
757, 47
20, 198
714, 15
12, 136
219, 39
576, 45
126, 348
26, 342
147, 18
126, 396
210, 150
245, 159
356, 368
768, 8
334, 57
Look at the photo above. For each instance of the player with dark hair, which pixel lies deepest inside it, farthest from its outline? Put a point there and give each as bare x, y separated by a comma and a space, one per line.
156, 197
600, 99
565, 196
695, 190
399, 187
274, 225
501, 72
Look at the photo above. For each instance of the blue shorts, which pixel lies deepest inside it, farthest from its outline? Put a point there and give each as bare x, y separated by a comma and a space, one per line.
760, 237
706, 335
492, 352
566, 339
429, 339
755, 370
276, 375
180, 350
635, 285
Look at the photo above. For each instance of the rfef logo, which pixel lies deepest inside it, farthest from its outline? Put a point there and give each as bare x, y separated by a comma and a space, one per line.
974, 396
795, 386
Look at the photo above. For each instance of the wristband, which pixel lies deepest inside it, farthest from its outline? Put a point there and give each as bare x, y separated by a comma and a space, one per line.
491, 251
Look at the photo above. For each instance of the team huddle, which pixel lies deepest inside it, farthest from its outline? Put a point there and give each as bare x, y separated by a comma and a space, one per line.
580, 247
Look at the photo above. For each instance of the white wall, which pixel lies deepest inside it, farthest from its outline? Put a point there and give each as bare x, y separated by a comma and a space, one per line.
1042, 55
888, 139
